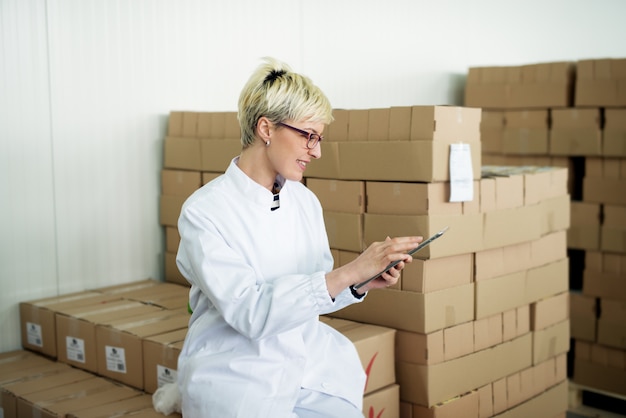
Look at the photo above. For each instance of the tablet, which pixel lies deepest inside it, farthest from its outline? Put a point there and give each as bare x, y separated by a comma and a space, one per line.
413, 251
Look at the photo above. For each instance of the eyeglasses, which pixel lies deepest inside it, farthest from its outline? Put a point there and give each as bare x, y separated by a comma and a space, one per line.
312, 139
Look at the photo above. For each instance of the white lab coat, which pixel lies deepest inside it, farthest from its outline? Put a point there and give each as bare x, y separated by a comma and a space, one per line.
257, 290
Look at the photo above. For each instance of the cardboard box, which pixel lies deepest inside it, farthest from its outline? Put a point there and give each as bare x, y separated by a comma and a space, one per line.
358, 124
551, 341
600, 377
175, 123
182, 153
384, 403
543, 85
614, 135
549, 248
425, 161
500, 294
160, 358
437, 274
179, 182
399, 198
604, 190
172, 274
550, 403
204, 124
339, 195
375, 346
338, 129
604, 285
466, 405
411, 311
453, 242
116, 408
600, 82
576, 132
555, 214
57, 402
432, 384
611, 330
216, 154
37, 319
345, 230
232, 129
169, 209
526, 132
172, 239
547, 280
419, 348
488, 332
378, 124
492, 130
207, 176
445, 123
583, 316
119, 343
76, 329
549, 311
400, 123
613, 231
584, 232
513, 226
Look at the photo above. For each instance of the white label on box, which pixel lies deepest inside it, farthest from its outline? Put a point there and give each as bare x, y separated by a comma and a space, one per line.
75, 349
33, 334
461, 175
166, 375
116, 359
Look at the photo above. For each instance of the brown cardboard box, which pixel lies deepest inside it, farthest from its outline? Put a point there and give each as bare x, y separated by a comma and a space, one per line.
172, 274
526, 132
604, 285
170, 207
549, 248
551, 341
500, 261
549, 311
179, 182
125, 287
58, 401
232, 129
542, 85
182, 153
583, 316
399, 198
344, 230
453, 242
419, 348
400, 123
217, 154
614, 135
576, 132
175, 123
172, 239
383, 403
76, 329
378, 124
432, 384
119, 346
358, 124
158, 295
33, 383
500, 294
491, 130
116, 408
604, 190
488, 332
204, 124
466, 405
338, 129
207, 176
550, 403
599, 376
445, 123
584, 232
217, 129
600, 82
339, 195
37, 319
547, 280
160, 358
613, 231
190, 125
512, 226
417, 312
439, 273
611, 330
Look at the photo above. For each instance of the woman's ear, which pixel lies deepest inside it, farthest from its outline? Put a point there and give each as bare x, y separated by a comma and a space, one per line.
264, 129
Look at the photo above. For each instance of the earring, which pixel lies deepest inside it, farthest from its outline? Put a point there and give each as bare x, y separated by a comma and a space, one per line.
267, 143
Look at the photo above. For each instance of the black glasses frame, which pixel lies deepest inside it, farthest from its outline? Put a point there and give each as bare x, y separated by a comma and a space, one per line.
312, 138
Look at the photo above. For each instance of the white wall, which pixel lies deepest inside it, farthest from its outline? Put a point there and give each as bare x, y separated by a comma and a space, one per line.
86, 87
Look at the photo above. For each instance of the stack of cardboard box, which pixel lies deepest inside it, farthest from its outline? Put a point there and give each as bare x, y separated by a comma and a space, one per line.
481, 315
582, 127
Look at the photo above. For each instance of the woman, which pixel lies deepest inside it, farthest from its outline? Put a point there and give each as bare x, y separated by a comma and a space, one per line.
255, 251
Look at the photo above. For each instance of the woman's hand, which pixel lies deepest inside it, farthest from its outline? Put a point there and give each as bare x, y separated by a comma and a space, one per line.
379, 255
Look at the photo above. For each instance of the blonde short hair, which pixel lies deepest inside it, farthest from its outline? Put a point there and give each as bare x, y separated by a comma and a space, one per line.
279, 94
